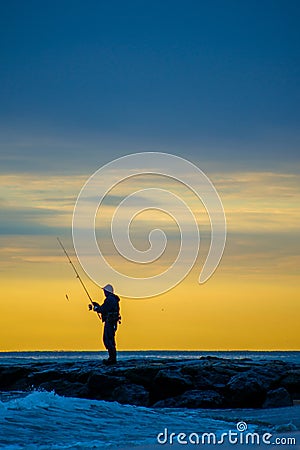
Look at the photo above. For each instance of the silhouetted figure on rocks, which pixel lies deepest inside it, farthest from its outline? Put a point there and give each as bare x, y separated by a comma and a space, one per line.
110, 312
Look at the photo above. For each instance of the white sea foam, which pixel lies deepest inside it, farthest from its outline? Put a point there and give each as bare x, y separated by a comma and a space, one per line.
45, 421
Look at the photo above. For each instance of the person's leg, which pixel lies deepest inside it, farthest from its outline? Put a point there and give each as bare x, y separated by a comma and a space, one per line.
109, 340
106, 337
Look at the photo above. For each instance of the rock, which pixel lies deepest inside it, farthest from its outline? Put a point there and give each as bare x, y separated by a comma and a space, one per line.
169, 383
37, 378
210, 376
193, 399
66, 388
101, 386
141, 375
9, 376
245, 391
270, 374
213, 380
268, 381
291, 381
193, 383
131, 394
277, 398
201, 399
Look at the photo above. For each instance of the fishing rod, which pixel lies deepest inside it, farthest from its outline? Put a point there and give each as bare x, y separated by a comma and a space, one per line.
77, 274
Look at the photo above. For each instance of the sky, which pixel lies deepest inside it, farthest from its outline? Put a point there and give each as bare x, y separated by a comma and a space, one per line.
216, 83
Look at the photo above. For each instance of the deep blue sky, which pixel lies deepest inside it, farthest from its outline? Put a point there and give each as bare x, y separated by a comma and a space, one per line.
212, 81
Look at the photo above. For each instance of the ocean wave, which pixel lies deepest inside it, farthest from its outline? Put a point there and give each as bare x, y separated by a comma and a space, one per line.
45, 420
42, 420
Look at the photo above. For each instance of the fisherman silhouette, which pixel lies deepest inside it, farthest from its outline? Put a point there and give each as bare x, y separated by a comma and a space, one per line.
110, 313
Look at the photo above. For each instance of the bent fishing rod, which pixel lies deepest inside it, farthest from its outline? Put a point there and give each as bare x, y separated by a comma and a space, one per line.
77, 274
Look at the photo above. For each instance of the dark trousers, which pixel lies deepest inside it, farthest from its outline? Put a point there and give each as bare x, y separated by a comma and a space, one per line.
109, 332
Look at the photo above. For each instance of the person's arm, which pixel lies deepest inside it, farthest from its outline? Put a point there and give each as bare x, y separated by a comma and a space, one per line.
102, 309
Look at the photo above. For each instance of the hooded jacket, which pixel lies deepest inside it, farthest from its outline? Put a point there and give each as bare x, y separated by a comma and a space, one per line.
109, 309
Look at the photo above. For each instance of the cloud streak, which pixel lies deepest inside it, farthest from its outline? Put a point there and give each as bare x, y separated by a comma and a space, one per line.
262, 212
253, 201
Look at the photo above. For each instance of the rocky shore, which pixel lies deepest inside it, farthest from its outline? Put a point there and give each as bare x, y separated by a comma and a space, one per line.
206, 382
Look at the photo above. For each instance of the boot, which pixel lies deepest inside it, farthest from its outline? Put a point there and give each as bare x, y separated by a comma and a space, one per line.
112, 357
109, 362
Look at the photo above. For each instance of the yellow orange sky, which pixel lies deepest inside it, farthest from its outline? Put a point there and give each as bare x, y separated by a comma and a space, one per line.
251, 302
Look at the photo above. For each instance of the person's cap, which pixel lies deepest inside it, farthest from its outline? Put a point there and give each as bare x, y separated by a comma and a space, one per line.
108, 288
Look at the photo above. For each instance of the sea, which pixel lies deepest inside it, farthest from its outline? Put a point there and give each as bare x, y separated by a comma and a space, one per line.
45, 421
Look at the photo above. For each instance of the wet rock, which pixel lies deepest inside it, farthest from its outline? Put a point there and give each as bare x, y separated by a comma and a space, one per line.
202, 399
131, 394
193, 399
169, 383
291, 381
199, 383
277, 398
101, 386
66, 388
37, 378
268, 380
13, 377
213, 380
245, 391
212, 376
141, 375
